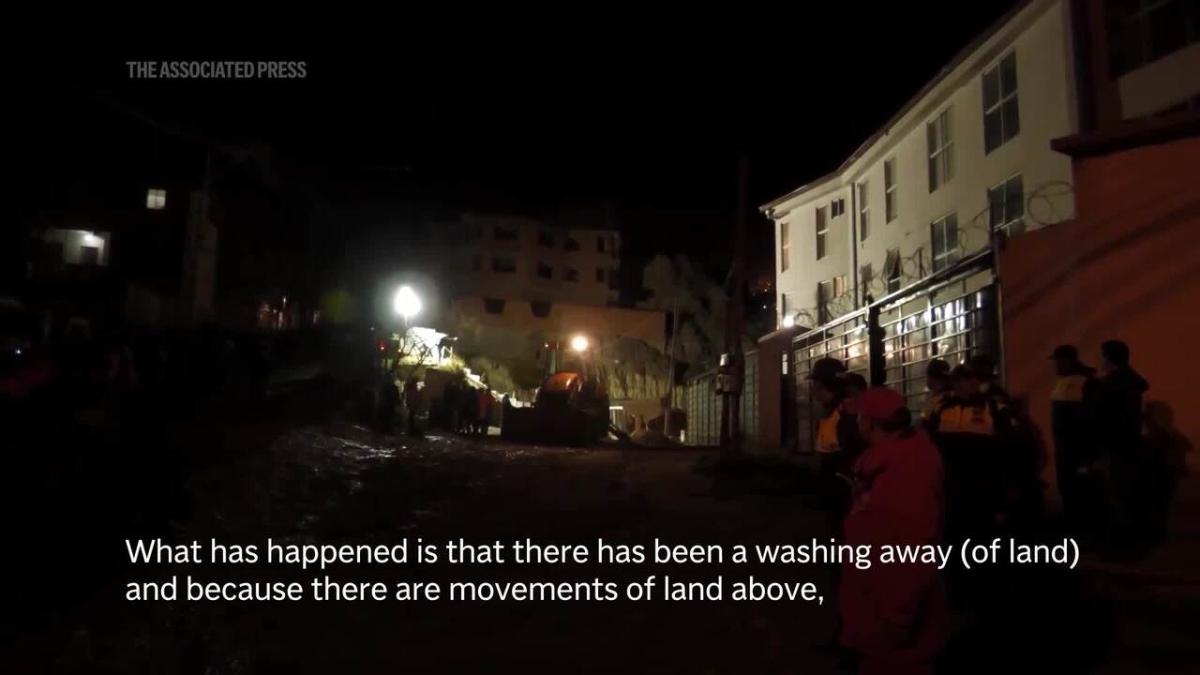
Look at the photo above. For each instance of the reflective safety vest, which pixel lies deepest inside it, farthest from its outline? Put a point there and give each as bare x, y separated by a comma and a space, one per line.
827, 432
1069, 389
967, 419
931, 405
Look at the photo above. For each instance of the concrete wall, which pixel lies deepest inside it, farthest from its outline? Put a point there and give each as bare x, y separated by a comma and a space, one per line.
1038, 37
1126, 268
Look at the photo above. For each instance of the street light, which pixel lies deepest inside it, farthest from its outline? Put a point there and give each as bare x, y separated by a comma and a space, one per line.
579, 343
406, 303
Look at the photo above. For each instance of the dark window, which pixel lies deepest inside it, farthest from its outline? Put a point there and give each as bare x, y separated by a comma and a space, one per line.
837, 207
892, 270
540, 308
570, 274
1001, 120
545, 239
867, 275
600, 244
1143, 31
501, 233
504, 265
493, 305
1006, 207
545, 271
822, 233
600, 274
569, 244
476, 263
944, 235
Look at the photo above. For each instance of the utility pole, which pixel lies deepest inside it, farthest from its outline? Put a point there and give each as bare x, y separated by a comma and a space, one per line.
733, 360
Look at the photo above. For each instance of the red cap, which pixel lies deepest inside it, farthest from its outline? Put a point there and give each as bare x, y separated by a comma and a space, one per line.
881, 404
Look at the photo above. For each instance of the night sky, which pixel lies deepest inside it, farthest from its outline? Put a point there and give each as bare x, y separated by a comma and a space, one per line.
642, 121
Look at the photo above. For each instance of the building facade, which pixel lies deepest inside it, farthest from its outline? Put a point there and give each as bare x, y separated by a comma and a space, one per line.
890, 260
516, 258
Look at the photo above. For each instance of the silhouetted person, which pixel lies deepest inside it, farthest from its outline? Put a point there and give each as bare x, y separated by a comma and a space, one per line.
838, 441
937, 384
412, 402
1075, 452
386, 398
893, 615
1119, 428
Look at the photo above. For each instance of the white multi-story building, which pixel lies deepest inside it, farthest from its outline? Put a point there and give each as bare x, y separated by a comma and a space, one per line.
969, 156
888, 261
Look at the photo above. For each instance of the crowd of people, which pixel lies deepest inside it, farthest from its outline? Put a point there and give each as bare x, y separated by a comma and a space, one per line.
967, 465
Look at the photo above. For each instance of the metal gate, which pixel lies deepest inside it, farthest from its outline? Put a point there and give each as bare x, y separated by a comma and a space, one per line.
952, 322
845, 339
703, 405
951, 317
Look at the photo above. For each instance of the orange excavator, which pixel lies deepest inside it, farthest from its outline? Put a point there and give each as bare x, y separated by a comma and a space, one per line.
569, 409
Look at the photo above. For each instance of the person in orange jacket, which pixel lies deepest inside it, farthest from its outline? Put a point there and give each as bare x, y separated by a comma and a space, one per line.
894, 616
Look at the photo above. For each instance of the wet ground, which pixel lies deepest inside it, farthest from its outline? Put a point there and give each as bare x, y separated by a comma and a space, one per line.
334, 482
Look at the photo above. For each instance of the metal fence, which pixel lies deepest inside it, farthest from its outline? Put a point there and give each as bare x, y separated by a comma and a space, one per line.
703, 406
890, 342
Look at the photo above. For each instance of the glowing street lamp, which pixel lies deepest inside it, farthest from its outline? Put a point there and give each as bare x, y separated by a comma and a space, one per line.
406, 303
580, 343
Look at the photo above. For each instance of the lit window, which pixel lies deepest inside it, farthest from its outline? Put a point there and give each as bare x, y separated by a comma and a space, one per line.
864, 212
822, 233
1001, 120
944, 236
156, 199
941, 150
889, 190
1006, 207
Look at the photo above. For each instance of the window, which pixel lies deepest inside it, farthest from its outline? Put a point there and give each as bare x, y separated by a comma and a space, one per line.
599, 244
540, 308
501, 233
1001, 120
889, 190
545, 271
600, 274
570, 274
892, 271
866, 275
1006, 207
785, 246
545, 239
941, 150
476, 263
837, 207
504, 265
569, 244
1142, 31
156, 199
864, 212
822, 232
493, 305
944, 237
824, 295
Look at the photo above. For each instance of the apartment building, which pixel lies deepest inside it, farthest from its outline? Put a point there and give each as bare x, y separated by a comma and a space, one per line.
509, 257
887, 261
969, 157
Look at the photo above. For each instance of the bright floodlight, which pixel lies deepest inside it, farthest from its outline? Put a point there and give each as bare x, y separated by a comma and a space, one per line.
579, 343
789, 321
406, 302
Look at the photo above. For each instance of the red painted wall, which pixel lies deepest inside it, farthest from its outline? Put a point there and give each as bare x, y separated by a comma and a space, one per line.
1128, 267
